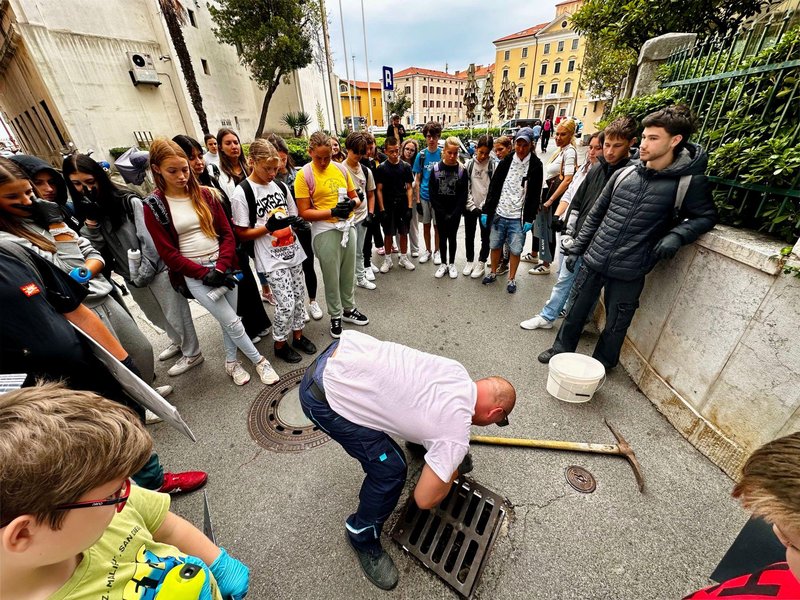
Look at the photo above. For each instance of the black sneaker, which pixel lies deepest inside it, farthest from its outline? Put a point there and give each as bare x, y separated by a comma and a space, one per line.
545, 356
355, 317
304, 345
286, 353
563, 313
379, 568
336, 327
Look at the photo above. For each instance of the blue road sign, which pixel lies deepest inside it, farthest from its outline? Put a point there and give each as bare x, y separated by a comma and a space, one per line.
388, 78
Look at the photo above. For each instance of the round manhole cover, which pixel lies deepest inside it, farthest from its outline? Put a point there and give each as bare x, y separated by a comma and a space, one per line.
580, 479
276, 420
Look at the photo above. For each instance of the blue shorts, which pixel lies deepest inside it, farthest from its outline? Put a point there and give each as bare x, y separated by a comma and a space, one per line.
506, 231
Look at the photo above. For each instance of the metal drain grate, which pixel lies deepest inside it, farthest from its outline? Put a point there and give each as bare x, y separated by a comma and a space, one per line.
454, 539
276, 421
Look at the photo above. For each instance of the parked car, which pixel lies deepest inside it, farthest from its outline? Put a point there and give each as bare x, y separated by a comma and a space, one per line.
375, 130
463, 153
512, 126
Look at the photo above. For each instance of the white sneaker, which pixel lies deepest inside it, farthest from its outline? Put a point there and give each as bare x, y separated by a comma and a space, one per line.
387, 264
467, 269
440, 272
406, 264
479, 270
306, 316
184, 364
369, 274
314, 310
151, 418
537, 322
266, 372
237, 372
414, 254
453, 271
426, 256
374, 268
366, 284
540, 270
164, 390
169, 352
437, 258
395, 250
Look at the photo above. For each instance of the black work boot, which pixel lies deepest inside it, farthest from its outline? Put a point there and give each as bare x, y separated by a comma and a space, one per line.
378, 567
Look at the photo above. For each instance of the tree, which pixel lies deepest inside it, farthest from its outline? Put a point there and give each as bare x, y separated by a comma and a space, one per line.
273, 39
400, 105
630, 23
175, 17
298, 121
604, 67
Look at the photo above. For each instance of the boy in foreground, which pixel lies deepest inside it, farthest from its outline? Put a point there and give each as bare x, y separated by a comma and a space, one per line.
73, 526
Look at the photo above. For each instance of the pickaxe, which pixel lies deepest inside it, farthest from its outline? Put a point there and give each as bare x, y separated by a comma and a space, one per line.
621, 448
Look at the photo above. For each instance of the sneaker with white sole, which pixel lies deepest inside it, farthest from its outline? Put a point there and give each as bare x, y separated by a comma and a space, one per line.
387, 264
437, 258
237, 372
169, 352
530, 258
381, 251
489, 279
395, 250
266, 373
366, 284
184, 364
440, 272
336, 327
306, 316
537, 322
414, 254
406, 263
426, 256
467, 269
355, 317
314, 310
369, 274
164, 390
374, 268
151, 418
451, 269
479, 270
539, 270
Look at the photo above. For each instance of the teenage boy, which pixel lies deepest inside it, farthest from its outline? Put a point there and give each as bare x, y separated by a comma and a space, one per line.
423, 165
394, 182
74, 527
632, 226
769, 489
511, 204
448, 188
370, 162
356, 146
395, 130
616, 143
211, 157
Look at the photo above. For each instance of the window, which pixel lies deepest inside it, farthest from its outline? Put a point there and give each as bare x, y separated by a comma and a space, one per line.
562, 112
450, 119
505, 73
561, 46
525, 52
571, 65
553, 88
519, 92
424, 104
547, 49
575, 43
507, 55
438, 104
192, 20
374, 102
408, 89
585, 108
450, 104
424, 89
522, 72
537, 114
343, 88
540, 91
459, 105
204, 62
556, 68
563, 24
438, 90
544, 69
567, 87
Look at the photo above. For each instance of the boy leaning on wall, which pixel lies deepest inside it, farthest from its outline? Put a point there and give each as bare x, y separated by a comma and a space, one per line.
73, 526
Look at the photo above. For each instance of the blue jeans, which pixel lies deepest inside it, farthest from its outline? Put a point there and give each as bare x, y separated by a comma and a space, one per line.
561, 290
506, 231
381, 459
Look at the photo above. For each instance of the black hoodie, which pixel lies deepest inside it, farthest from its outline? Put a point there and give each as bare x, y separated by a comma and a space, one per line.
33, 165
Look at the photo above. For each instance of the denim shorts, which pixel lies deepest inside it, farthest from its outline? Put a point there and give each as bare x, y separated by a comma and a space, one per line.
427, 212
506, 231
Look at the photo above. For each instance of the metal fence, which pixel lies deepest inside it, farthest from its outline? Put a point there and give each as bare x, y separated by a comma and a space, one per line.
745, 87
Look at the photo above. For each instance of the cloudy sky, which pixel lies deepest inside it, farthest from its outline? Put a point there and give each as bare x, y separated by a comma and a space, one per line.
427, 33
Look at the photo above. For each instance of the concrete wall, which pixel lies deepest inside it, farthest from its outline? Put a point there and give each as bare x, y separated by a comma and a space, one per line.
716, 347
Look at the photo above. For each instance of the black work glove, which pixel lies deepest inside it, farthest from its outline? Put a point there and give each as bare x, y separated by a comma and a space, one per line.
386, 219
274, 223
477, 212
570, 261
214, 278
343, 209
128, 362
369, 219
407, 216
230, 281
45, 212
301, 224
557, 225
90, 209
466, 465
420, 212
668, 246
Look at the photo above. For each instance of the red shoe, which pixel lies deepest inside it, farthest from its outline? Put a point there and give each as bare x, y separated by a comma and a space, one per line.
183, 483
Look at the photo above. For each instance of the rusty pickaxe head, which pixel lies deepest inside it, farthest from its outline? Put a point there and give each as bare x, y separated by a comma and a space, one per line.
626, 451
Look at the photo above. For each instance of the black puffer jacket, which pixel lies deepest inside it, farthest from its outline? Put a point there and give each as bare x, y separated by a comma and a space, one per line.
589, 191
618, 236
33, 165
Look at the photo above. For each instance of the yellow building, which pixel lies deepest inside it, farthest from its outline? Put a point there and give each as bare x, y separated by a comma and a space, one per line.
361, 102
544, 64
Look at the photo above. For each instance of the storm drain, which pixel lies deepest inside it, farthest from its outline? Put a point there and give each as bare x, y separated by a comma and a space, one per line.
454, 539
276, 420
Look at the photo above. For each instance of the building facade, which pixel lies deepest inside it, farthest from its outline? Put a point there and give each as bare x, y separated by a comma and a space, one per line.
98, 75
362, 102
544, 64
435, 95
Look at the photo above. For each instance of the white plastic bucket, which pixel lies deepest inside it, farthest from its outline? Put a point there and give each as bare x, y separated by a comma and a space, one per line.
574, 377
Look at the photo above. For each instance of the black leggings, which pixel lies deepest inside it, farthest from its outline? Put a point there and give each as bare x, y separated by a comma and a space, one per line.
249, 305
373, 232
448, 230
304, 236
470, 222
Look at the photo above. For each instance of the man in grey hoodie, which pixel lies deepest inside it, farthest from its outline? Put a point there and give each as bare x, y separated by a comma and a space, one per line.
633, 225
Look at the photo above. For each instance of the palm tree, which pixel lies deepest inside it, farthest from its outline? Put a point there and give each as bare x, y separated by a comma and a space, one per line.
175, 17
297, 121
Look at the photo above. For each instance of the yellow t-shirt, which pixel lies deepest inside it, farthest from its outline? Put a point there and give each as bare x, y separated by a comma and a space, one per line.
127, 563
326, 192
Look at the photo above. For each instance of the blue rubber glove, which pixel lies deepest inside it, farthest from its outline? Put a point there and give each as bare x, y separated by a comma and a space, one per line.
233, 577
526, 227
81, 274
205, 592
484, 220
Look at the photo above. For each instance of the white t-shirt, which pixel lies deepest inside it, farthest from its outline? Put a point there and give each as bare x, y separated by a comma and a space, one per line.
366, 183
512, 196
568, 157
211, 159
192, 242
271, 252
420, 397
